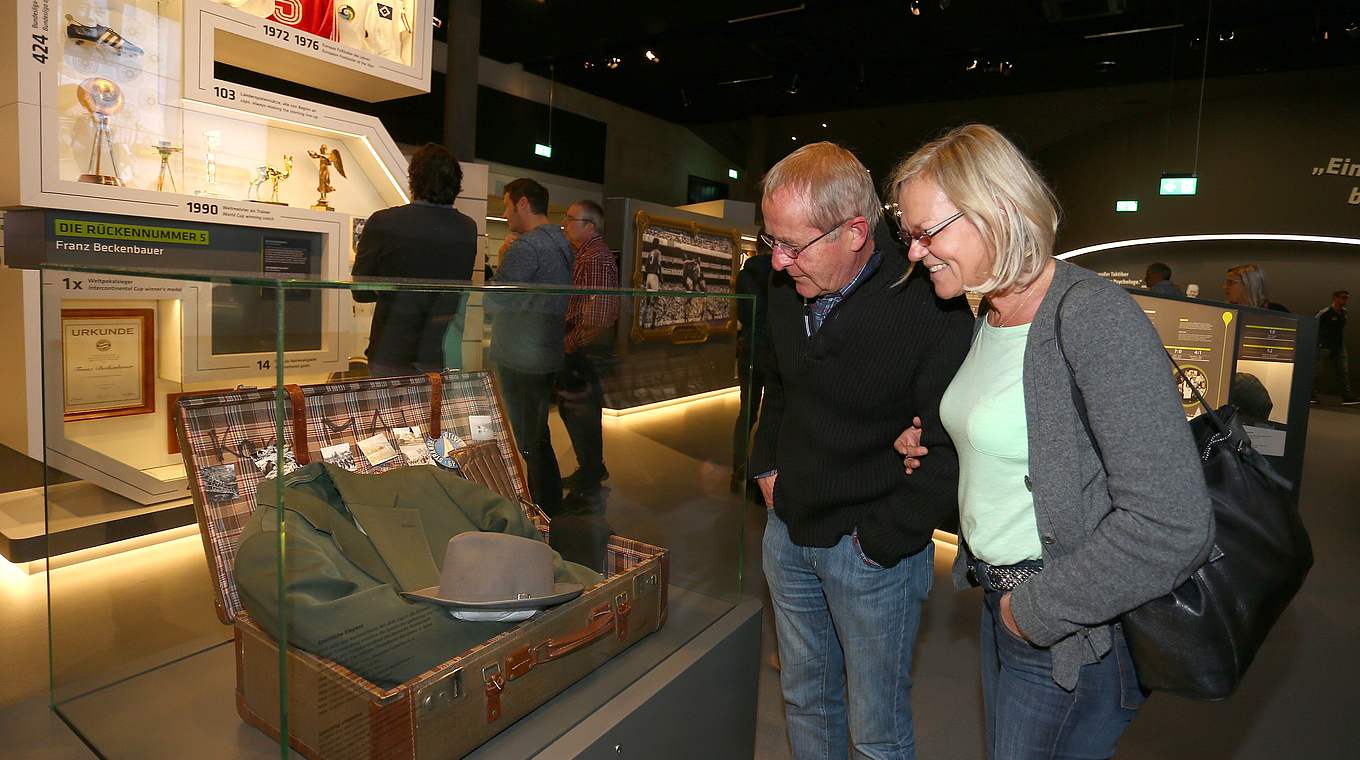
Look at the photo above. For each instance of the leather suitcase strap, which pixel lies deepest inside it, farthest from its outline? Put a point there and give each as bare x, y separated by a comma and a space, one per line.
436, 403
603, 620
299, 405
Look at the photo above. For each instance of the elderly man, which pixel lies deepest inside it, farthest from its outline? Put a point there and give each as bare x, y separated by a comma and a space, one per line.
589, 317
860, 350
527, 345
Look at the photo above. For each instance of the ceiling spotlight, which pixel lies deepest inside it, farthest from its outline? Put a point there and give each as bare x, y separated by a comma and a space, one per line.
823, 125
915, 6
588, 65
1227, 36
613, 62
971, 65
649, 55
794, 138
793, 88
1005, 68
1353, 30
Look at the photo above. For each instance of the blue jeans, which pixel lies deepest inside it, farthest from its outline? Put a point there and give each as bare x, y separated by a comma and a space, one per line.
846, 631
1030, 717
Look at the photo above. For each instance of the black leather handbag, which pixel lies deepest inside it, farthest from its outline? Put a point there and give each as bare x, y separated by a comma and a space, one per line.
1199, 640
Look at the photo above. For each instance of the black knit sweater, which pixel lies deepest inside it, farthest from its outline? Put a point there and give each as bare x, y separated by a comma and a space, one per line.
835, 402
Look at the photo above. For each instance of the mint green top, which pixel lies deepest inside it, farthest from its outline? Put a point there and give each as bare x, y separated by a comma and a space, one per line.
984, 411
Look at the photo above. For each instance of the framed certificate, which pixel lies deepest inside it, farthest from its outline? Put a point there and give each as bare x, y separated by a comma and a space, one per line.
108, 362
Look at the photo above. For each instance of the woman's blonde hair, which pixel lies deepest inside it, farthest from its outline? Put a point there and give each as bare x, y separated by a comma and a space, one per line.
987, 178
1253, 280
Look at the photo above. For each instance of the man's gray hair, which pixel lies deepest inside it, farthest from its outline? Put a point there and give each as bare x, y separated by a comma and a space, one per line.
591, 212
831, 181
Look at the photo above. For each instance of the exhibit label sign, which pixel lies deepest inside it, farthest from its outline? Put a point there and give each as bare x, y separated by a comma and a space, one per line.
1201, 338
108, 362
78, 238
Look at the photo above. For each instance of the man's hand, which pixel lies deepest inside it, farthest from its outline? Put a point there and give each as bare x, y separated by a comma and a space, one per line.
908, 444
767, 489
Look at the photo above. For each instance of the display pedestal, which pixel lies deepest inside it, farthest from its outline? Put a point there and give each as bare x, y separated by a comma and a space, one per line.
688, 690
78, 516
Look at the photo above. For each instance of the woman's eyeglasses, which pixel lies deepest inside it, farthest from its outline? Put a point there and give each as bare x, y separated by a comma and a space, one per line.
907, 237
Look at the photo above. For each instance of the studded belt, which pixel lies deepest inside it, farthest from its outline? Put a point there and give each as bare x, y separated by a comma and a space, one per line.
1003, 577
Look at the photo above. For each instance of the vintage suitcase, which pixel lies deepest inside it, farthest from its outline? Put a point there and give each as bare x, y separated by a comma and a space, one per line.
450, 710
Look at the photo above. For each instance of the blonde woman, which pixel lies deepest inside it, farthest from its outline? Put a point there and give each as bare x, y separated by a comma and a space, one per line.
1245, 285
1062, 536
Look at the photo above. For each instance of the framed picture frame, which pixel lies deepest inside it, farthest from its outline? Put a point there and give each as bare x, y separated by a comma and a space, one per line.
682, 255
108, 362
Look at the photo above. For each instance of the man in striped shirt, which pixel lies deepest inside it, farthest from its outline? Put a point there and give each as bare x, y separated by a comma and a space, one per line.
590, 339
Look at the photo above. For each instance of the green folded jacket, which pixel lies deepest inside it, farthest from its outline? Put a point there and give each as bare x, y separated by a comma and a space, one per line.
352, 542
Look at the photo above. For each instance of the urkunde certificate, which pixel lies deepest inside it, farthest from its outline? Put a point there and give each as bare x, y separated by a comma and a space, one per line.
105, 362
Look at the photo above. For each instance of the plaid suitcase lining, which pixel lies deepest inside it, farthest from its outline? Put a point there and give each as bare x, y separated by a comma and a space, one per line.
225, 429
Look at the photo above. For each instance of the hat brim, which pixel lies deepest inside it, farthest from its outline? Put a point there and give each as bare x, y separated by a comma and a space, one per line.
562, 592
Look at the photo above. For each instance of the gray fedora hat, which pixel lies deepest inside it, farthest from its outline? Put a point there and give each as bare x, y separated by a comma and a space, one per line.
496, 571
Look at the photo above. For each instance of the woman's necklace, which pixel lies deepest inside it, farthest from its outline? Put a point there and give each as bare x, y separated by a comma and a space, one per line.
1017, 309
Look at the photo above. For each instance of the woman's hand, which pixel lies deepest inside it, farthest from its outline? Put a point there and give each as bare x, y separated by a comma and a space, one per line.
1008, 620
908, 444
767, 488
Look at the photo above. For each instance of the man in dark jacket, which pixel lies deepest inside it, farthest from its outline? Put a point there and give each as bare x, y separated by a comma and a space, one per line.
427, 239
860, 349
1332, 346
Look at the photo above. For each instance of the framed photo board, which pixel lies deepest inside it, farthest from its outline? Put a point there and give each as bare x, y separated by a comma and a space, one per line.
684, 256
108, 361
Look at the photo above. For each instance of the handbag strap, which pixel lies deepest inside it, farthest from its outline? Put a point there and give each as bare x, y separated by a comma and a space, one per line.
1078, 398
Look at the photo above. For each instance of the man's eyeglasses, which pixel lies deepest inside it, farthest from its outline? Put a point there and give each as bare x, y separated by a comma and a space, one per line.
907, 237
794, 251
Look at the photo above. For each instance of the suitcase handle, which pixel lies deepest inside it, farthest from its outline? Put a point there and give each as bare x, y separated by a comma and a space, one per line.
604, 620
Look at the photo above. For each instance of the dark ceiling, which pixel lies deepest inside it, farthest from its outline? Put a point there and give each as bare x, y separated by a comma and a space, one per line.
829, 55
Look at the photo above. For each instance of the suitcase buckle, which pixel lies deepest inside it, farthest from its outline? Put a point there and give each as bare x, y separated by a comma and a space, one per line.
494, 682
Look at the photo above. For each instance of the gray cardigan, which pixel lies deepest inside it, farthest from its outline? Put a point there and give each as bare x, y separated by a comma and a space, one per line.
1115, 533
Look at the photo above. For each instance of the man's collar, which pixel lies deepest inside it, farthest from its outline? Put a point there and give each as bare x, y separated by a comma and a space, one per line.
870, 266
586, 243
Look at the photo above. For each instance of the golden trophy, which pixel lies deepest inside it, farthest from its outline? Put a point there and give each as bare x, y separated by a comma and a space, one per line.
102, 98
166, 150
327, 159
273, 176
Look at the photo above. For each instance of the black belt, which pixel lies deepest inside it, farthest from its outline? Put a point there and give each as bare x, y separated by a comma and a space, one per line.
1003, 577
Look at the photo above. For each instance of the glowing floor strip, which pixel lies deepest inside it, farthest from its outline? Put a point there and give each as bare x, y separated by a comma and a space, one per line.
671, 403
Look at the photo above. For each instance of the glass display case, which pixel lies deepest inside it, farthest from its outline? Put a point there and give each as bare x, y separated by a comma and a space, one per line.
164, 650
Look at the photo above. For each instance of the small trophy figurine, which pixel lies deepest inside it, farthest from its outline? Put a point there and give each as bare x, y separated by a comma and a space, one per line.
327, 159
166, 150
102, 98
273, 176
